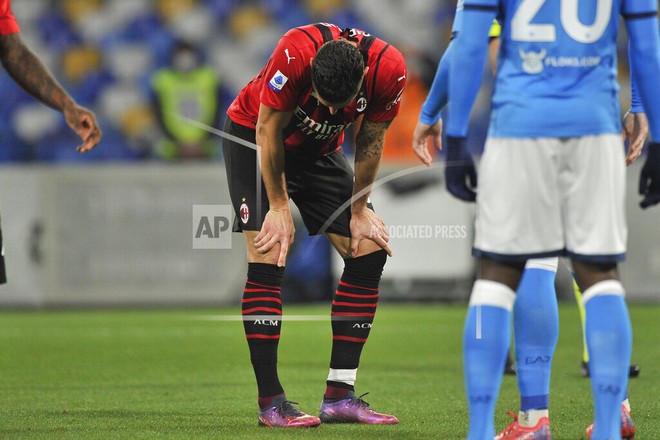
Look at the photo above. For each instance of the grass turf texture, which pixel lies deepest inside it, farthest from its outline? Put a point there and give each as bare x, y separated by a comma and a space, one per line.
169, 374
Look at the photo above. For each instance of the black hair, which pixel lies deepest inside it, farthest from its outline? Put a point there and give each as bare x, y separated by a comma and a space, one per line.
337, 71
183, 46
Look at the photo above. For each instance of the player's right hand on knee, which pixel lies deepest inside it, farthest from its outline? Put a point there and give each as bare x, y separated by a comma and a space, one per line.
367, 225
277, 228
460, 172
649, 179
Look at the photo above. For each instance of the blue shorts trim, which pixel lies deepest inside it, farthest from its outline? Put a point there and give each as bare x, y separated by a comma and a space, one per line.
516, 258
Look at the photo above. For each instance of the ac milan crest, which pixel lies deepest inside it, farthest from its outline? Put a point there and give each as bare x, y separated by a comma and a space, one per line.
244, 212
361, 104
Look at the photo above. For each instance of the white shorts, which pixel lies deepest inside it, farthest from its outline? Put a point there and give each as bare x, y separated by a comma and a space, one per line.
548, 196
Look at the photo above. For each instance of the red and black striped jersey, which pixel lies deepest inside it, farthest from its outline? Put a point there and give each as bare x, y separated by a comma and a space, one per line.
285, 84
8, 24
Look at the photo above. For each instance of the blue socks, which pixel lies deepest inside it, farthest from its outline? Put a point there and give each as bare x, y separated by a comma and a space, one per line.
486, 341
485, 346
609, 340
536, 329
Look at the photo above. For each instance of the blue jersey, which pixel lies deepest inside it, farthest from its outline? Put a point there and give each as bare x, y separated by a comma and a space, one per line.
557, 66
458, 18
437, 97
458, 22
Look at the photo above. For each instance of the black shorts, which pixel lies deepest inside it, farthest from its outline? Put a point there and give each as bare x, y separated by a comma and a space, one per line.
3, 273
321, 187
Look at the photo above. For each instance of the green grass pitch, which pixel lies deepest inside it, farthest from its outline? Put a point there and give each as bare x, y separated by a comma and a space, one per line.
170, 374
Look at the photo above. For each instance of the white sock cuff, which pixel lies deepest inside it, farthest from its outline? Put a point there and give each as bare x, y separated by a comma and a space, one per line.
530, 418
344, 376
607, 287
492, 293
549, 264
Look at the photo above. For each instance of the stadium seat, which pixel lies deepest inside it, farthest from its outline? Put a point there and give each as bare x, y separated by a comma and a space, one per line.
233, 65
195, 25
99, 25
116, 99
35, 121
76, 10
168, 10
125, 10
288, 14
247, 19
321, 9
78, 62
347, 18
91, 86
129, 61
139, 124
221, 9
54, 30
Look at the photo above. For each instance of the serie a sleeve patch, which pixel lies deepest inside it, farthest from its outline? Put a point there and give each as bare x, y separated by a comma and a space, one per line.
278, 81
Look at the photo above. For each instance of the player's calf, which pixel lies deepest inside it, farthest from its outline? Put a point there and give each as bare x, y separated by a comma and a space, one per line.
353, 311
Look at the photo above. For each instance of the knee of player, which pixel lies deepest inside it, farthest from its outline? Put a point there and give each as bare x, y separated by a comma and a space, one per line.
373, 262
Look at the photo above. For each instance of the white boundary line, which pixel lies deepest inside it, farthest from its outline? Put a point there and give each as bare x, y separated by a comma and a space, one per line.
302, 318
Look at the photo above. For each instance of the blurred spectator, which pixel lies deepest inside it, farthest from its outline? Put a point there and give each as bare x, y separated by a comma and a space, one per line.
106, 53
190, 89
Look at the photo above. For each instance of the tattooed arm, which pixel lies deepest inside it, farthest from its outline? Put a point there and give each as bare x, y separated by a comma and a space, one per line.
31, 74
368, 152
28, 71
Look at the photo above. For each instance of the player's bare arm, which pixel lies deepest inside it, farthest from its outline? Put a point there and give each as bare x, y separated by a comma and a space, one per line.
636, 130
493, 52
368, 152
28, 71
423, 131
421, 137
278, 225
31, 74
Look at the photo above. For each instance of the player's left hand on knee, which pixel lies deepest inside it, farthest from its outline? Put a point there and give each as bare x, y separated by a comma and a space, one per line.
368, 225
649, 179
460, 172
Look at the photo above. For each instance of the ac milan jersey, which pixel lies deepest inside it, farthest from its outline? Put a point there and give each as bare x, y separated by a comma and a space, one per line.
8, 24
285, 84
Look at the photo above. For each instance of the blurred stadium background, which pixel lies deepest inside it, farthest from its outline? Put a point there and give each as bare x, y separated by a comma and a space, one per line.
113, 227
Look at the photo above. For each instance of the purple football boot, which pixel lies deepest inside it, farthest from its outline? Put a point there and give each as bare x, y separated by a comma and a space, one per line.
353, 409
284, 415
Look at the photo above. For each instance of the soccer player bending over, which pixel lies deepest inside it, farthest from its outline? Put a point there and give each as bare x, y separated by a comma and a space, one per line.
554, 163
319, 80
31, 74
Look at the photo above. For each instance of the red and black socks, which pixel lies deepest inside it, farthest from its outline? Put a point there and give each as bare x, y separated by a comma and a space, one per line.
353, 311
262, 320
